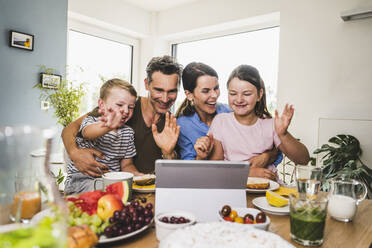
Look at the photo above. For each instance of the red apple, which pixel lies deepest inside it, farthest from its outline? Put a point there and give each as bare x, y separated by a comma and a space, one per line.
107, 205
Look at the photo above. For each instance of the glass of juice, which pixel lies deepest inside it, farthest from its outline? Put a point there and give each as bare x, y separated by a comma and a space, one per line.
307, 218
27, 198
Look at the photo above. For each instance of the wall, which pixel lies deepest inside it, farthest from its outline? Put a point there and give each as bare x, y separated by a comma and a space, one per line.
19, 69
324, 65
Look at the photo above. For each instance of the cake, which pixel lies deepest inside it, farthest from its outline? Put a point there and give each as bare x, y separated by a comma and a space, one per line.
257, 183
222, 235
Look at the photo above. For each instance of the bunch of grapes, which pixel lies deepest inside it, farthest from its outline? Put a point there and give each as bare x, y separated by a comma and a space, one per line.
132, 217
78, 217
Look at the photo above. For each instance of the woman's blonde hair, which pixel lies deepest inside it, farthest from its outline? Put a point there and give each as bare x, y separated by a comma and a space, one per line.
118, 83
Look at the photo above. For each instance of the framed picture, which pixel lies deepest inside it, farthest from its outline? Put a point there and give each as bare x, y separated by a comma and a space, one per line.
51, 81
21, 40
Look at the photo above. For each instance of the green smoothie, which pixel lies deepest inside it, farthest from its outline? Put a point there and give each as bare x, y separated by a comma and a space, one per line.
307, 225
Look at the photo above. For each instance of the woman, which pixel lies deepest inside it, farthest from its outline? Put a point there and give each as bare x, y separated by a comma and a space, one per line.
196, 113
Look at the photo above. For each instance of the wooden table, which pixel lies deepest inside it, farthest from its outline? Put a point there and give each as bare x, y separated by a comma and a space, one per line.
337, 234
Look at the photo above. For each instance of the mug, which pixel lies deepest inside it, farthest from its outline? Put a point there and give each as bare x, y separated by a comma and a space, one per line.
344, 197
114, 177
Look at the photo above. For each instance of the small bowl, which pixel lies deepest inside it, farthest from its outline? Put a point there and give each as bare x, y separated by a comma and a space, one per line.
163, 229
243, 211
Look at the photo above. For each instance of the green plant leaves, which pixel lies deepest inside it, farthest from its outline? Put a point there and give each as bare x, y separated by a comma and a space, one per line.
343, 159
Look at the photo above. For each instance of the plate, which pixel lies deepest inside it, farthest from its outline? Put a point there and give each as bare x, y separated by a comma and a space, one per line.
273, 186
103, 239
37, 217
243, 211
143, 189
262, 204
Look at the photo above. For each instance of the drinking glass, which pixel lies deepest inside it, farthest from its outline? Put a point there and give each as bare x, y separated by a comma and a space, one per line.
308, 179
307, 218
344, 197
27, 198
20, 183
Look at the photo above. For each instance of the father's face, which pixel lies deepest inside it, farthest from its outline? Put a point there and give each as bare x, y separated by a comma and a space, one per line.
162, 91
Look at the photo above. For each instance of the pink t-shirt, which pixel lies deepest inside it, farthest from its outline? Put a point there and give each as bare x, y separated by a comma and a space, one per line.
241, 142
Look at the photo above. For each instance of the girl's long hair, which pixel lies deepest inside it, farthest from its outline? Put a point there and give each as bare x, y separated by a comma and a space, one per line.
190, 75
251, 74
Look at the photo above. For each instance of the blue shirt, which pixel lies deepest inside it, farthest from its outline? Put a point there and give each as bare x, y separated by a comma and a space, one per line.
193, 128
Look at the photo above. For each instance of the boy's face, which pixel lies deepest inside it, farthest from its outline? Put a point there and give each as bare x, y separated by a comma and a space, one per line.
119, 100
243, 97
162, 91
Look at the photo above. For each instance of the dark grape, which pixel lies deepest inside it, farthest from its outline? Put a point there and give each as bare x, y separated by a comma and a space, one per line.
135, 204
147, 220
248, 217
260, 218
121, 232
226, 210
137, 226
164, 219
141, 219
128, 229
143, 200
182, 220
134, 219
149, 206
111, 220
127, 220
140, 209
173, 218
108, 231
122, 219
125, 209
187, 220
115, 230
146, 212
131, 210
116, 215
123, 214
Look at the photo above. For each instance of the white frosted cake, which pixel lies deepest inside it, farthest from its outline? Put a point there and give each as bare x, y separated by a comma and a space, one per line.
222, 235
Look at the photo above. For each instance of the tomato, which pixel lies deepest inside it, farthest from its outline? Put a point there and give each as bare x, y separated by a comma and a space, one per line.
248, 217
248, 221
227, 218
233, 214
239, 220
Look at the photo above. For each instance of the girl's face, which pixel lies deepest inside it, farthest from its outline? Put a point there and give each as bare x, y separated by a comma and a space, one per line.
121, 100
243, 97
205, 94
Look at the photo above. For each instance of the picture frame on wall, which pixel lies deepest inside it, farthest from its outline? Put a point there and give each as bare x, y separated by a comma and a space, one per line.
21, 40
50, 81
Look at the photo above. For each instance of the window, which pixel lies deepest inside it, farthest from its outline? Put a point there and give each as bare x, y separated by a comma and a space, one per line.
258, 48
94, 60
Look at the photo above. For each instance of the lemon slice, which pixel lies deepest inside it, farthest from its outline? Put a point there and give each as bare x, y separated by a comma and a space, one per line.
285, 191
275, 199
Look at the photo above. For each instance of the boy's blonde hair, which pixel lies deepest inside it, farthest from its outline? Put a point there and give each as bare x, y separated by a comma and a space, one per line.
116, 82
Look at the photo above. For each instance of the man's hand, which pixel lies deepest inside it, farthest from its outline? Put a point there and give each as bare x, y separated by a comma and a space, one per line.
167, 139
262, 172
203, 147
85, 162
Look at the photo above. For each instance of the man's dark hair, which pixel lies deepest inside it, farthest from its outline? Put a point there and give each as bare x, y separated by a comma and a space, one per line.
165, 64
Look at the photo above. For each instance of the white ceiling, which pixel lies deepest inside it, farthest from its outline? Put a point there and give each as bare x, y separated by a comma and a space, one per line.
158, 5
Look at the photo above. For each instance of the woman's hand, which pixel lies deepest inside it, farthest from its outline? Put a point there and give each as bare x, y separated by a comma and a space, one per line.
203, 147
282, 122
167, 139
262, 172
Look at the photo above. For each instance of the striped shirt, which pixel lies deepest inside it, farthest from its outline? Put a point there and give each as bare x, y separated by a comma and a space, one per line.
114, 146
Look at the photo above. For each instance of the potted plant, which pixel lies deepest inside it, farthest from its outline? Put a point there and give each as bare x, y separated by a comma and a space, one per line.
343, 159
65, 99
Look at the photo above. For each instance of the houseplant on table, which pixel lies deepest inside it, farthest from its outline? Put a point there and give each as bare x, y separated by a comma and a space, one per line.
343, 159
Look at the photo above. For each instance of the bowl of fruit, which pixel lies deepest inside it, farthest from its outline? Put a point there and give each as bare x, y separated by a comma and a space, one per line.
250, 216
166, 223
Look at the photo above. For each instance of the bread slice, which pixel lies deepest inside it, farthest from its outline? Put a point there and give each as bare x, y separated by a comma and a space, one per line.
147, 179
257, 183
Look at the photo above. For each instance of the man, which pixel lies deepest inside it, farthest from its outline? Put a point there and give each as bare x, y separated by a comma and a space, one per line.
156, 131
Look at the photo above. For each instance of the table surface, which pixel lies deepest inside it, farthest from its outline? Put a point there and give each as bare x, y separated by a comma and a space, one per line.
357, 233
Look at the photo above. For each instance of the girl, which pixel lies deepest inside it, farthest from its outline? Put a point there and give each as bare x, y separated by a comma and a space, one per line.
108, 134
249, 130
196, 113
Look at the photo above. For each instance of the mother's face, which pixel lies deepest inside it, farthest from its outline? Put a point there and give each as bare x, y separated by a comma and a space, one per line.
205, 94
